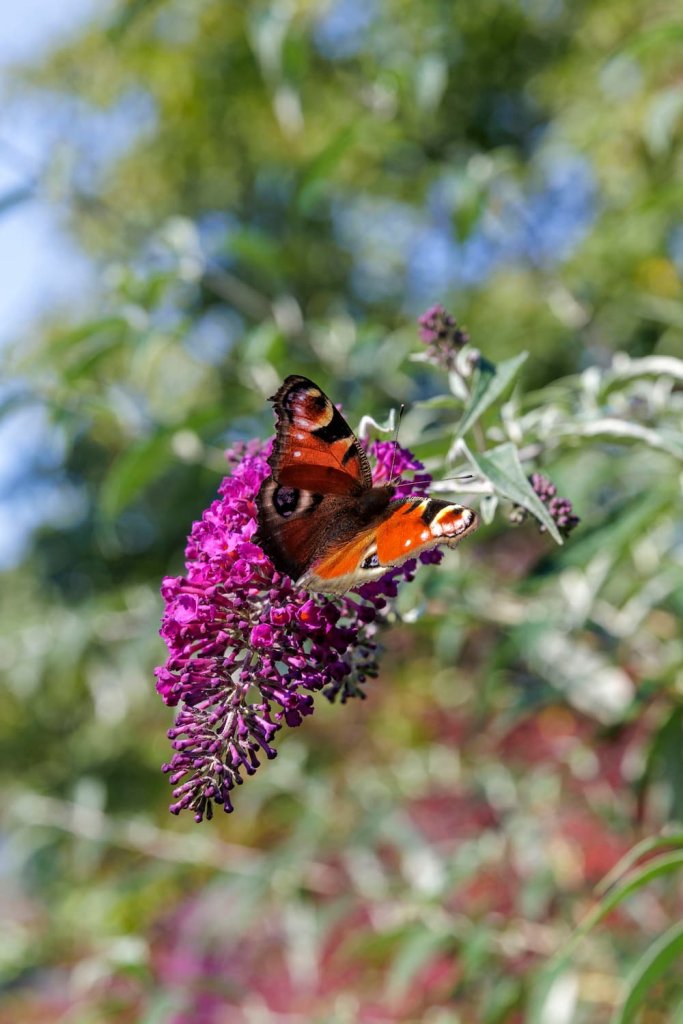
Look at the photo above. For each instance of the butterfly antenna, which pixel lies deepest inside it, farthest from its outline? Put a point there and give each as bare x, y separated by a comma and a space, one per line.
461, 478
393, 458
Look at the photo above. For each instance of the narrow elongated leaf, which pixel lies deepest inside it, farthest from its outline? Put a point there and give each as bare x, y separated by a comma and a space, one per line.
649, 366
664, 758
502, 467
489, 384
437, 402
664, 865
614, 429
618, 537
133, 471
648, 970
666, 311
631, 858
326, 160
419, 947
70, 342
488, 507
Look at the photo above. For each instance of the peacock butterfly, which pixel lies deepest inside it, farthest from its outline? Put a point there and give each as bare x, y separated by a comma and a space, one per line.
321, 520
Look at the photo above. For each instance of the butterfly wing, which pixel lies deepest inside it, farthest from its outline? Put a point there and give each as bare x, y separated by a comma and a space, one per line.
315, 449
292, 525
408, 527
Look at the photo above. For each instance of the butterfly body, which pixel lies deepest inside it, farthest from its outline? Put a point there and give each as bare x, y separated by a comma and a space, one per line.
321, 520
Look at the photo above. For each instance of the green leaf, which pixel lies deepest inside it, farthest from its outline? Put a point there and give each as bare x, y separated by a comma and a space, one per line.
132, 472
502, 467
613, 429
257, 250
420, 945
126, 17
648, 970
323, 164
75, 354
655, 38
160, 1009
437, 402
664, 761
631, 858
666, 311
501, 999
489, 384
488, 507
637, 880
616, 536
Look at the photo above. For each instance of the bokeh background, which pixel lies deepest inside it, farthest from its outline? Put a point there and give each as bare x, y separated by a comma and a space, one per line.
195, 200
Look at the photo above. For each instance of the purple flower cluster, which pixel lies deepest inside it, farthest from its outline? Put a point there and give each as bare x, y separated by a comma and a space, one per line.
560, 508
440, 333
247, 649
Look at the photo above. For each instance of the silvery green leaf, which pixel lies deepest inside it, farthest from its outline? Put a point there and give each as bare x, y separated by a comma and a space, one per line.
585, 677
458, 386
625, 368
502, 467
488, 507
437, 402
490, 382
612, 428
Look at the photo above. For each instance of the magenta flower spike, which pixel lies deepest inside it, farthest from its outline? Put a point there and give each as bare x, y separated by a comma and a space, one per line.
247, 649
443, 338
560, 509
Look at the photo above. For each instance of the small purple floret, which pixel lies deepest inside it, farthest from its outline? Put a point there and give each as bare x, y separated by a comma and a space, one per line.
559, 508
440, 333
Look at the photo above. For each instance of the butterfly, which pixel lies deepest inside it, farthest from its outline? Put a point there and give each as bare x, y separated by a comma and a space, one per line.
321, 520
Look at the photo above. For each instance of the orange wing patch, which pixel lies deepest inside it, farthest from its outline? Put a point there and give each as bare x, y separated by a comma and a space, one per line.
409, 527
344, 560
415, 525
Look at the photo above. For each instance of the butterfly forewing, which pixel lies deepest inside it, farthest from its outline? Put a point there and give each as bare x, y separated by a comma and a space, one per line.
315, 448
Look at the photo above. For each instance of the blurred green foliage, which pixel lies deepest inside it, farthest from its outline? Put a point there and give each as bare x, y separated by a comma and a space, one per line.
281, 188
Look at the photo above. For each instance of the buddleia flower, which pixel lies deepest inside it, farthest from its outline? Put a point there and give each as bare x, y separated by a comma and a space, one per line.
439, 331
560, 509
247, 649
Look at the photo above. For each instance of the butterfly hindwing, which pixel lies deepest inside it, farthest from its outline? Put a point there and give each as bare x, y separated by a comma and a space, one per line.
291, 525
417, 524
407, 527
